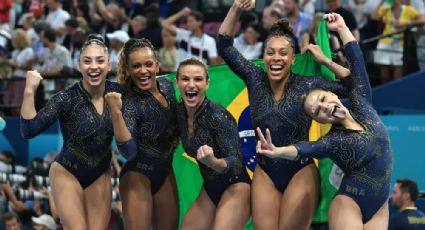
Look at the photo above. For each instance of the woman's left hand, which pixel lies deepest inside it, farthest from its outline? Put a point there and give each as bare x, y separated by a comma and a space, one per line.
205, 155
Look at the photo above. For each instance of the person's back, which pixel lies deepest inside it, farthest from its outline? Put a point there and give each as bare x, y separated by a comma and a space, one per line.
408, 219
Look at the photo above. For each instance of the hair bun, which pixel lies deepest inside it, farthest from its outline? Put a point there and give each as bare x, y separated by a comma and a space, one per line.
281, 27
96, 37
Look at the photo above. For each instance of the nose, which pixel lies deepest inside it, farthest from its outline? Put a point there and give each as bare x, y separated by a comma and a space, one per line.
93, 65
191, 83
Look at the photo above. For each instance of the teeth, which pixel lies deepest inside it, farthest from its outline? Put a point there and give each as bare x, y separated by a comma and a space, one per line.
191, 94
143, 78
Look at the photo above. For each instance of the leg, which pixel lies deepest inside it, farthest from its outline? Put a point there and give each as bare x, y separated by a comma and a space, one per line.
386, 74
97, 197
135, 192
398, 72
68, 197
380, 219
166, 205
234, 208
300, 199
265, 201
344, 213
200, 215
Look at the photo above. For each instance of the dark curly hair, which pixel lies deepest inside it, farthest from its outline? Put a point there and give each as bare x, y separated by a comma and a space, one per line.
281, 28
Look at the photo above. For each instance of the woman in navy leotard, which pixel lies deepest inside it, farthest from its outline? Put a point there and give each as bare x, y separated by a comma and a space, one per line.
210, 135
358, 143
145, 127
284, 193
80, 176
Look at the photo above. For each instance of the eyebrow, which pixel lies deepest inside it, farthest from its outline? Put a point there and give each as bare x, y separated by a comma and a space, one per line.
314, 108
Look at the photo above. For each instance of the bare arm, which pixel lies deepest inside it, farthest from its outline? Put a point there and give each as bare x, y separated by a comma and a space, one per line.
121, 132
336, 23
375, 14
168, 23
28, 106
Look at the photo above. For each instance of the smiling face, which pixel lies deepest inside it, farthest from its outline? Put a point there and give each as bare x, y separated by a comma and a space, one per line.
325, 107
192, 82
278, 58
94, 65
142, 67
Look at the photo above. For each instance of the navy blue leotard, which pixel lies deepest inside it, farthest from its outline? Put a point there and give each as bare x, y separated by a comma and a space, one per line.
214, 126
285, 118
364, 156
87, 135
154, 133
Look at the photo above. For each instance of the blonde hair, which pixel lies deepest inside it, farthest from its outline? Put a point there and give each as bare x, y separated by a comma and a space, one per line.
20, 38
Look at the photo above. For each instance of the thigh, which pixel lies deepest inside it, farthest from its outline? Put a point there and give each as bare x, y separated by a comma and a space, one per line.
344, 213
68, 197
97, 197
201, 213
264, 200
380, 219
300, 199
233, 210
136, 201
166, 205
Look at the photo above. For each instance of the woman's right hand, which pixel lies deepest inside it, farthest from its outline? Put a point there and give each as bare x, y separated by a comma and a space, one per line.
33, 80
316, 52
114, 101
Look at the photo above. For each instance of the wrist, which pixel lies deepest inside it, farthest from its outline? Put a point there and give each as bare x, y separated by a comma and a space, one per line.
29, 91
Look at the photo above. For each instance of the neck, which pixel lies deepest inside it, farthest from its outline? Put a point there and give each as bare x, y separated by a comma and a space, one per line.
197, 33
192, 110
409, 204
51, 45
350, 123
94, 91
278, 87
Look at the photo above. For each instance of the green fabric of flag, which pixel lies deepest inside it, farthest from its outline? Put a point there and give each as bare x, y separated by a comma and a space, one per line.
304, 63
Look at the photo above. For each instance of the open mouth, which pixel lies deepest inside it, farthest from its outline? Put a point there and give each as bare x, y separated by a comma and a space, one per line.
276, 67
94, 75
337, 112
191, 94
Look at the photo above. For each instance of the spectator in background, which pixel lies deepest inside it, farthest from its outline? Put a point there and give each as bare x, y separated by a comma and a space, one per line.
116, 42
403, 198
193, 41
5, 6
299, 21
362, 11
153, 29
70, 26
56, 63
11, 221
334, 6
137, 24
389, 53
57, 18
44, 222
167, 53
21, 61
248, 43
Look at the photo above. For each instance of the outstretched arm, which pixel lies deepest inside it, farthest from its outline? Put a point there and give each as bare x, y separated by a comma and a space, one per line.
266, 147
336, 23
228, 27
168, 23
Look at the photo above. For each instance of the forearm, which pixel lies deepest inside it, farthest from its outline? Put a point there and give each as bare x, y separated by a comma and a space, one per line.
287, 152
121, 132
28, 105
338, 70
345, 35
168, 23
228, 26
219, 165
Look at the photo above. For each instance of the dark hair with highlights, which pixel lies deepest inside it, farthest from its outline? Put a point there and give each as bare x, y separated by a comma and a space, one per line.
94, 39
128, 48
281, 28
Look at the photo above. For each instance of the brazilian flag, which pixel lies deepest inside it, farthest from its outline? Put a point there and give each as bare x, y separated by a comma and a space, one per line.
230, 91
